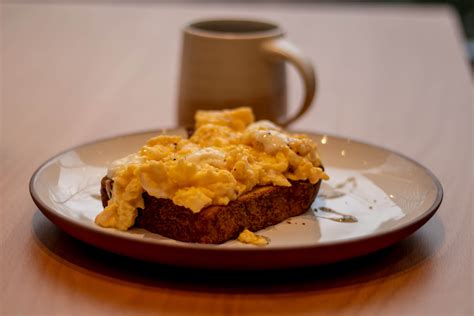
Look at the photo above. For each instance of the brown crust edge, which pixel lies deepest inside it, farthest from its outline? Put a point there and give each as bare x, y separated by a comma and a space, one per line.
258, 209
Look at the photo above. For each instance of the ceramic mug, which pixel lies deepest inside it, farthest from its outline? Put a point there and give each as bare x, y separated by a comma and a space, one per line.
232, 63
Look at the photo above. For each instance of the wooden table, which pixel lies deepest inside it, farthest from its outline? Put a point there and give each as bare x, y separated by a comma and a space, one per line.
394, 76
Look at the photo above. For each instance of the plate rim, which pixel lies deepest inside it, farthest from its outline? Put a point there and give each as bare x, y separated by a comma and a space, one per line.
415, 223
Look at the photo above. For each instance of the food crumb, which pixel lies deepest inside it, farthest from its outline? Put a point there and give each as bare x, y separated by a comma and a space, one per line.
248, 237
303, 223
370, 207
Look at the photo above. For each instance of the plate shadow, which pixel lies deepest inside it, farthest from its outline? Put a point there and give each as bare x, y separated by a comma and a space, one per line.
405, 255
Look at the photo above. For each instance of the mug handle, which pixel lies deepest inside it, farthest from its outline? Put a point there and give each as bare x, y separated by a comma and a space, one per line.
283, 49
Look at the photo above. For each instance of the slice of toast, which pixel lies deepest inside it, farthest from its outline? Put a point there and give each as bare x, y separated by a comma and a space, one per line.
262, 207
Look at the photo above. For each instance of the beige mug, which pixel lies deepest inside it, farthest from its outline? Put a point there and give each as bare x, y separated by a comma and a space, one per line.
233, 63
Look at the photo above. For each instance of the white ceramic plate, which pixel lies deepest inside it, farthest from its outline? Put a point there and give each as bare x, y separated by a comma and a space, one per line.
388, 194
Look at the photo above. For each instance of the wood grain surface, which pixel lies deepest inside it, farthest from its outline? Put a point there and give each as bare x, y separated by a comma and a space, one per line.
393, 76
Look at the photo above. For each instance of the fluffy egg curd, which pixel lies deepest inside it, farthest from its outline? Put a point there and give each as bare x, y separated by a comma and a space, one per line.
228, 155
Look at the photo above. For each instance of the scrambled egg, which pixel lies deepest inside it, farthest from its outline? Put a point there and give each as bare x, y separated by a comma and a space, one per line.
248, 237
228, 155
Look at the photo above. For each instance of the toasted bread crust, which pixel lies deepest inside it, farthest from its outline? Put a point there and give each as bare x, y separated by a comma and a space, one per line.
255, 210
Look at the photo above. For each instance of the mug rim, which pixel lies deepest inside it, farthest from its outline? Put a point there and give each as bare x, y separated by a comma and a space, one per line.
196, 28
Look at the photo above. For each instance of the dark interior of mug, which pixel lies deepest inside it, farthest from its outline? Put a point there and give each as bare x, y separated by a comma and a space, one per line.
234, 26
